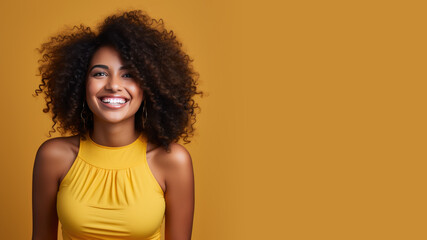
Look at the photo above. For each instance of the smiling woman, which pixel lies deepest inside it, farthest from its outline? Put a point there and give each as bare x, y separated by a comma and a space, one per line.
109, 87
125, 93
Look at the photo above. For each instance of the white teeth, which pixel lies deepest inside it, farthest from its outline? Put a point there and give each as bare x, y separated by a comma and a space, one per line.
114, 100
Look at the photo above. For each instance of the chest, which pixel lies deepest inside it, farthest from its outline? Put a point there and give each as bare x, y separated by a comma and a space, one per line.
98, 203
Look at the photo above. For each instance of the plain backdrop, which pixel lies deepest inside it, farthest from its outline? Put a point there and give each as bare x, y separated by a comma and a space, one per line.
313, 125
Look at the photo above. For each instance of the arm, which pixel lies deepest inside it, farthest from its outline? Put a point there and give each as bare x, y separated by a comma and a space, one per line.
179, 194
46, 173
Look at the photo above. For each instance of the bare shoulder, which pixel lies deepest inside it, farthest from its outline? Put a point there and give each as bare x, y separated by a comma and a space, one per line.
57, 154
58, 147
176, 168
176, 157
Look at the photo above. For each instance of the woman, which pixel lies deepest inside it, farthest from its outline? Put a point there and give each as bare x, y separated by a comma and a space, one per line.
126, 95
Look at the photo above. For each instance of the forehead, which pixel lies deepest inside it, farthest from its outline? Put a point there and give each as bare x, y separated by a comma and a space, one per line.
106, 55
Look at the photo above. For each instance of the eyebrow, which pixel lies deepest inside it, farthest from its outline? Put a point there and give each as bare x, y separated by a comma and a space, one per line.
106, 67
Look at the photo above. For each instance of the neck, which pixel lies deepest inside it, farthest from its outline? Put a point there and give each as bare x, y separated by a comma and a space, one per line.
114, 134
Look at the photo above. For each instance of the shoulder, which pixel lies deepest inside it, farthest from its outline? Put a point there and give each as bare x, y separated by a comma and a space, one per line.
174, 165
57, 152
177, 157
57, 147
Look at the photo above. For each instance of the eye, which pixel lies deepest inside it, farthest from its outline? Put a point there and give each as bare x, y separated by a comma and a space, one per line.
99, 74
127, 75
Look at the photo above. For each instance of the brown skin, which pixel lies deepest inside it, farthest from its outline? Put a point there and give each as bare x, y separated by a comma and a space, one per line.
172, 169
155, 59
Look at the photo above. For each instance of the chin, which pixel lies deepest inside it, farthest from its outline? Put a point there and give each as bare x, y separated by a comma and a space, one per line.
109, 119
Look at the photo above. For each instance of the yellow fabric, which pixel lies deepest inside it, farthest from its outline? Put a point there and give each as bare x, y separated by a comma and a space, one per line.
110, 193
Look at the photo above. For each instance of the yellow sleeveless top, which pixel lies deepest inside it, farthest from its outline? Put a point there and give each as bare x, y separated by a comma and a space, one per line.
110, 193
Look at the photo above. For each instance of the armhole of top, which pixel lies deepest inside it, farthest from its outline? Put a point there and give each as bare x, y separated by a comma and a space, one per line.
150, 173
153, 178
73, 164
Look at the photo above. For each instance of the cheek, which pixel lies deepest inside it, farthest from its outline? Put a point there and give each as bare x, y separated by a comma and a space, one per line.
92, 88
137, 92
137, 97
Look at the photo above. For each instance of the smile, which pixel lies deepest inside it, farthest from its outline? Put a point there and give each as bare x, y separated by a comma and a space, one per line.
113, 103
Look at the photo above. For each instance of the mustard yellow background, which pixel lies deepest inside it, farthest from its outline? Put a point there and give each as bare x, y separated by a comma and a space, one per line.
313, 127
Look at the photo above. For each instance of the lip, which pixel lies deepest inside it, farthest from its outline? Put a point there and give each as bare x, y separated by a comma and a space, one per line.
118, 106
113, 96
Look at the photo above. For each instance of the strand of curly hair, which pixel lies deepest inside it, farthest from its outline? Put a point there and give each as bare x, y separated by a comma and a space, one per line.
154, 57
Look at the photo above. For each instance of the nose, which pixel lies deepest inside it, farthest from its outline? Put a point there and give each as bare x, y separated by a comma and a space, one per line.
113, 83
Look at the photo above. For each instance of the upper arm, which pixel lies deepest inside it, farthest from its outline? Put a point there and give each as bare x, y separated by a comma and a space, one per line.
179, 195
46, 173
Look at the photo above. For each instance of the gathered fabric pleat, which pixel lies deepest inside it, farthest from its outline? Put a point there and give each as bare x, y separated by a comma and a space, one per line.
110, 193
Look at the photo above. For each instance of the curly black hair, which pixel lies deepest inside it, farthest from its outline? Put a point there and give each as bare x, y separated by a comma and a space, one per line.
155, 59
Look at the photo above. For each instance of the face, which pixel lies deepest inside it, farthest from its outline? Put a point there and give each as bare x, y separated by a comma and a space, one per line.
111, 93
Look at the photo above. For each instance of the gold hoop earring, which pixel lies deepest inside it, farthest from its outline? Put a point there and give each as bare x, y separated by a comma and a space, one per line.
85, 116
81, 115
144, 113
